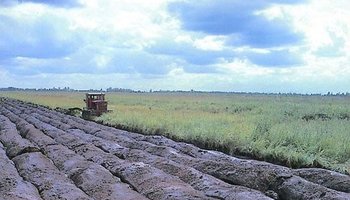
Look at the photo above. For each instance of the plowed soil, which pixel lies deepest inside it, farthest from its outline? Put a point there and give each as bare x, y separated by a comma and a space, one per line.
45, 154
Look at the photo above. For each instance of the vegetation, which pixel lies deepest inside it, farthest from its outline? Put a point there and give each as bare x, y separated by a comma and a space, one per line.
292, 130
48, 98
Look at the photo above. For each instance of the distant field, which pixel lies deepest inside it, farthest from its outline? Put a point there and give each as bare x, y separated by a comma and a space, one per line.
293, 130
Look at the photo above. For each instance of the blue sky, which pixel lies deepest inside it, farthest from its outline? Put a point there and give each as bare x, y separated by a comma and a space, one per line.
228, 45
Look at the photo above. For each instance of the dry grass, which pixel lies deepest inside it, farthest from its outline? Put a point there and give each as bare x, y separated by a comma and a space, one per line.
268, 127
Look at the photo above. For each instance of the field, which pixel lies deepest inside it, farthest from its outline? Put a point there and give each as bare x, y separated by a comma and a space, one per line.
48, 155
296, 131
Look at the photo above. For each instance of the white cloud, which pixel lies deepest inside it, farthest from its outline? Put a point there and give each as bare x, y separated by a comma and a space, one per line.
139, 44
319, 18
214, 43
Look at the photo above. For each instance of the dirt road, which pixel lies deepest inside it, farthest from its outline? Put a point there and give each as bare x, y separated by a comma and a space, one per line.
45, 154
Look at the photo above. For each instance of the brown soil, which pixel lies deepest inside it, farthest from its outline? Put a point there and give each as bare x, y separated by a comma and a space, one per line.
46, 154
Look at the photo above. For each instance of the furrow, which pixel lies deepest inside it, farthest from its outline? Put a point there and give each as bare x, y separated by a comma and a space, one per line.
173, 158
12, 185
326, 178
42, 173
149, 181
14, 143
200, 181
93, 179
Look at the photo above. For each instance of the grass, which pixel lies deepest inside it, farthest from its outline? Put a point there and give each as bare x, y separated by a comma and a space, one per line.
291, 130
51, 99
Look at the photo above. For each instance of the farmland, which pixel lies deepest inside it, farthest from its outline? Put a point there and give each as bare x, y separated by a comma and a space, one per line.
45, 154
296, 131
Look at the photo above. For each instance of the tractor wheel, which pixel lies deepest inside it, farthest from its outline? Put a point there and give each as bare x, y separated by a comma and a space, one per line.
86, 114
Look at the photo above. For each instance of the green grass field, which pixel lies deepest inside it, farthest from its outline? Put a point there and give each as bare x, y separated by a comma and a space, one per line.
293, 130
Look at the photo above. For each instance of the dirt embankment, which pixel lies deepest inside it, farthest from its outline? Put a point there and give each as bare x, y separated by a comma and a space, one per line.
45, 154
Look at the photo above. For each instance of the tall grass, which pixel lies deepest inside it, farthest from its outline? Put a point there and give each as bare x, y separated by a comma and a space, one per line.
271, 127
49, 98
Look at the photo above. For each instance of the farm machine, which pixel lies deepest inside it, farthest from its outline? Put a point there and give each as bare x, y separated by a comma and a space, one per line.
96, 105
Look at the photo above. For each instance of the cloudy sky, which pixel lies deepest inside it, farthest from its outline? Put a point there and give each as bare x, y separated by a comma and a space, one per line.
227, 45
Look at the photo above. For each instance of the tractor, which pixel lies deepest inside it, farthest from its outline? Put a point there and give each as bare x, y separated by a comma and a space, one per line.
96, 105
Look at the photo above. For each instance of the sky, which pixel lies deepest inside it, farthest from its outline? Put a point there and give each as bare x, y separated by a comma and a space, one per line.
300, 46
